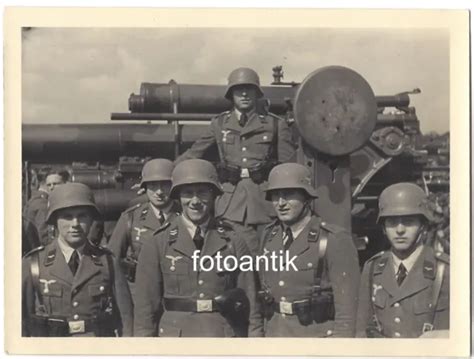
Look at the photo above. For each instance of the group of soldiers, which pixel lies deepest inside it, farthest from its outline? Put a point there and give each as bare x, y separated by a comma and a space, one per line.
256, 202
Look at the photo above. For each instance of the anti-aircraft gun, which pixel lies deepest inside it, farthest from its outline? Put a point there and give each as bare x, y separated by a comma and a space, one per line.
356, 143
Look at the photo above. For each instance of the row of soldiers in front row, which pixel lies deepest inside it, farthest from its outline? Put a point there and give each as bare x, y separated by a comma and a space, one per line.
74, 288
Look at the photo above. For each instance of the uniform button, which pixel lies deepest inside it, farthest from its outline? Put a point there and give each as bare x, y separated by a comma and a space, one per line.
76, 317
323, 223
200, 282
265, 137
281, 283
137, 238
244, 148
397, 334
282, 299
329, 332
397, 320
396, 305
283, 315
201, 295
75, 304
310, 265
430, 305
244, 159
101, 288
161, 330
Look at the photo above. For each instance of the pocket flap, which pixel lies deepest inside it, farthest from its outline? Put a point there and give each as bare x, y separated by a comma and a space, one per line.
169, 331
98, 289
380, 299
264, 138
52, 290
181, 268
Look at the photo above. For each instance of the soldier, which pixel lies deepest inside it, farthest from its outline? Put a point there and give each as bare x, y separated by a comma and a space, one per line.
174, 296
70, 287
249, 143
36, 208
319, 299
404, 292
140, 221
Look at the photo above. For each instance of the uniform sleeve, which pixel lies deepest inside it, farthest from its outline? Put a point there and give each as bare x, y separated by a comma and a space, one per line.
343, 268
364, 308
199, 148
441, 321
148, 289
286, 143
248, 282
40, 223
118, 243
124, 300
27, 297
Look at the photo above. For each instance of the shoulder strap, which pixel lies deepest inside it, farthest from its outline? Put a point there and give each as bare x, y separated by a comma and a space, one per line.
322, 248
220, 149
129, 221
437, 283
35, 273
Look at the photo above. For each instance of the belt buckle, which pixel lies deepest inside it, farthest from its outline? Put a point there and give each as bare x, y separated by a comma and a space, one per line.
204, 305
286, 308
78, 326
244, 173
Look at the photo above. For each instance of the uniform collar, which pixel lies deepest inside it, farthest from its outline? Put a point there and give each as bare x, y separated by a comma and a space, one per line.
166, 210
297, 228
67, 250
407, 262
239, 113
191, 227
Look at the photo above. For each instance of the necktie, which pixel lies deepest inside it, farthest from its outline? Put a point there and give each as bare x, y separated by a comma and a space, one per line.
161, 218
73, 262
198, 238
243, 119
289, 238
401, 274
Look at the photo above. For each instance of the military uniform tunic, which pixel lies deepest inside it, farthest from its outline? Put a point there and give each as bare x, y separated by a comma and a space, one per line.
404, 311
165, 273
264, 138
340, 272
81, 297
36, 211
135, 225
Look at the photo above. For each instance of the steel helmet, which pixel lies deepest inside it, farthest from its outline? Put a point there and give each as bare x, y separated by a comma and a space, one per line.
69, 195
194, 171
403, 199
242, 76
158, 169
290, 175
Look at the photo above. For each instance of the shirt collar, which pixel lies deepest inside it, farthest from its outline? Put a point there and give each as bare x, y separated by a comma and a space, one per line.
297, 228
408, 262
67, 250
191, 227
239, 113
166, 210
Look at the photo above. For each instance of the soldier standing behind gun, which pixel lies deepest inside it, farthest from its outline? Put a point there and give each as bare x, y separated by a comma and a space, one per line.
404, 292
140, 222
249, 143
196, 303
70, 287
320, 299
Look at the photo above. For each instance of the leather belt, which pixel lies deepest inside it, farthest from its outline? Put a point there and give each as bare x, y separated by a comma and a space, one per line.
290, 308
190, 305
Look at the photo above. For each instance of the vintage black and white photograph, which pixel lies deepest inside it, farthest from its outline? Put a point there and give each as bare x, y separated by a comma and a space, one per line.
237, 182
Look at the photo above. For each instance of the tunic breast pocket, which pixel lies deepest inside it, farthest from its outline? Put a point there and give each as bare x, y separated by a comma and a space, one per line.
177, 278
53, 296
261, 143
379, 298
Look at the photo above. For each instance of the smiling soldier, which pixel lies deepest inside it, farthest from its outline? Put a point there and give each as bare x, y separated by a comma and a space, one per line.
250, 143
404, 292
71, 287
139, 222
196, 302
319, 299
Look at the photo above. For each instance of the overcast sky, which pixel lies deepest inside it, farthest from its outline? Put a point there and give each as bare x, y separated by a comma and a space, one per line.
82, 75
